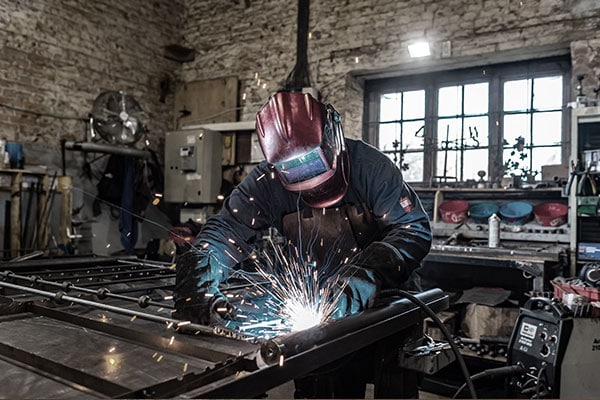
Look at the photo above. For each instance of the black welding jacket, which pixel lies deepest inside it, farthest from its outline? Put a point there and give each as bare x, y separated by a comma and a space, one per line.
381, 208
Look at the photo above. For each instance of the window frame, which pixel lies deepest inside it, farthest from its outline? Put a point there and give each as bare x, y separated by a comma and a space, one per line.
495, 75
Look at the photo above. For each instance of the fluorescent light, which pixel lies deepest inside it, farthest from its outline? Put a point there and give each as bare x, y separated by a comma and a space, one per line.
420, 49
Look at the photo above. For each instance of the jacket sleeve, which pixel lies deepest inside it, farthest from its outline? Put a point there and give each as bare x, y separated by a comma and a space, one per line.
253, 206
405, 237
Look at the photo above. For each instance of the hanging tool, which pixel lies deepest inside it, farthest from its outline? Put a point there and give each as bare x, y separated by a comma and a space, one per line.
587, 185
446, 146
572, 176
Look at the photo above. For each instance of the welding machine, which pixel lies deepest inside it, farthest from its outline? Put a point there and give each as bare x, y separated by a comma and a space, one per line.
560, 354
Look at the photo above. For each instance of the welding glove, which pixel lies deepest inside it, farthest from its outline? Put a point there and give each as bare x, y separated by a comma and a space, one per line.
196, 294
386, 260
355, 290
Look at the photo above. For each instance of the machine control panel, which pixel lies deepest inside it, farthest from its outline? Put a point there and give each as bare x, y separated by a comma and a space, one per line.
537, 338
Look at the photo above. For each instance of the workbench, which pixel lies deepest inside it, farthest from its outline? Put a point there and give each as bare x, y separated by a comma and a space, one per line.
535, 265
63, 336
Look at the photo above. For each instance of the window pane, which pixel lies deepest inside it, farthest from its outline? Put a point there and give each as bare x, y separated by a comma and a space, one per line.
447, 164
514, 126
414, 104
547, 93
517, 95
478, 134
409, 130
388, 134
475, 161
389, 109
476, 98
449, 131
414, 173
517, 163
547, 128
545, 156
450, 101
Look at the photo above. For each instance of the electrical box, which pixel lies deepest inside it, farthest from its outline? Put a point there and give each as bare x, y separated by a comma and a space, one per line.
193, 166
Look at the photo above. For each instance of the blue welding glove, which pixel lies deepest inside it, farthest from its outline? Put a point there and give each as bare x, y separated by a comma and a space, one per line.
355, 290
196, 294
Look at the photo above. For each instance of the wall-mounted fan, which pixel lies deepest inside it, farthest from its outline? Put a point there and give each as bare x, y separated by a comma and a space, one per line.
118, 118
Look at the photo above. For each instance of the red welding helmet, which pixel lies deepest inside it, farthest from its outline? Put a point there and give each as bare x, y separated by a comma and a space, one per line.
303, 139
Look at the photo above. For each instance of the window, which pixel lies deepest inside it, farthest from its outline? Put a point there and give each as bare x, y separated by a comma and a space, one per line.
478, 123
532, 124
402, 120
462, 131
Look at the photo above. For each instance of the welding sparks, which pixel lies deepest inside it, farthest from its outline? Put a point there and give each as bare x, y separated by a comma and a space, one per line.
300, 295
302, 316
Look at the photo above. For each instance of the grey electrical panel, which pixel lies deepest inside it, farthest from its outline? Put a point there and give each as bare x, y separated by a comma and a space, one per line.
193, 166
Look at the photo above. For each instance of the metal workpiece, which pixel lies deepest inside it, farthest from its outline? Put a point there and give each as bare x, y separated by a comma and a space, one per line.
59, 339
373, 324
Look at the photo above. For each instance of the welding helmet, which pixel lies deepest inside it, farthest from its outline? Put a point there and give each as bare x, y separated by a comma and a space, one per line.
303, 139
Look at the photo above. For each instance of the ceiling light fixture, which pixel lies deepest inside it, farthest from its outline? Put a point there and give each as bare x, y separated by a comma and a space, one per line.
420, 49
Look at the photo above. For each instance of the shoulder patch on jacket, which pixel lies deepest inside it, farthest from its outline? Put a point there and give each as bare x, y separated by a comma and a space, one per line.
406, 204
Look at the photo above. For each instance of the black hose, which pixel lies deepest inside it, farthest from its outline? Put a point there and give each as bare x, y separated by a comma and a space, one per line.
509, 370
434, 317
538, 382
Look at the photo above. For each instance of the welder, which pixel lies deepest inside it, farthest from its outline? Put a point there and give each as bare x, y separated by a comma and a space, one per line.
334, 197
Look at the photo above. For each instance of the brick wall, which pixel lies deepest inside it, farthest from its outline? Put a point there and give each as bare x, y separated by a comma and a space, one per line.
57, 56
256, 39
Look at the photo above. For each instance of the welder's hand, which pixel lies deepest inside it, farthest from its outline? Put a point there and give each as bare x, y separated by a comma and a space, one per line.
386, 260
354, 291
196, 294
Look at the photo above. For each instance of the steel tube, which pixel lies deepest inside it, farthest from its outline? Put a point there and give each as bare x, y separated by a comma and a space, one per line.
68, 286
106, 148
30, 264
180, 325
293, 343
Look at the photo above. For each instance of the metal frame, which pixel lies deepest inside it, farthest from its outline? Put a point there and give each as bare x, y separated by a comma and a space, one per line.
221, 364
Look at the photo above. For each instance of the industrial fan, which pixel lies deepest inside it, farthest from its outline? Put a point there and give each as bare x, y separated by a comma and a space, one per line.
118, 118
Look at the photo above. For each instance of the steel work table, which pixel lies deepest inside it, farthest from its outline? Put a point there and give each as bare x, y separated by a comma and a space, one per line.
50, 350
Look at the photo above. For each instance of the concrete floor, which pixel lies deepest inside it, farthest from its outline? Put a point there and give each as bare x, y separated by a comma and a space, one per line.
286, 391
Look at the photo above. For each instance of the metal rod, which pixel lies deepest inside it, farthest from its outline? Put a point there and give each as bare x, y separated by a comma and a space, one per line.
186, 326
142, 301
116, 282
63, 262
117, 274
84, 271
106, 148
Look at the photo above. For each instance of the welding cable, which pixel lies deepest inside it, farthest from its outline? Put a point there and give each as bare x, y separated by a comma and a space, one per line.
509, 370
435, 318
538, 382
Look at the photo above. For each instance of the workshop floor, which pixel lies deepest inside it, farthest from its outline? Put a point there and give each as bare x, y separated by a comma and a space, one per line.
286, 391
